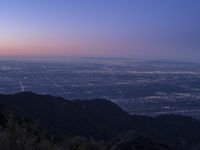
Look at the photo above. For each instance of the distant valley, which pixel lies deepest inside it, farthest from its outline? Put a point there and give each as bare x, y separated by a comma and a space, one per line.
145, 88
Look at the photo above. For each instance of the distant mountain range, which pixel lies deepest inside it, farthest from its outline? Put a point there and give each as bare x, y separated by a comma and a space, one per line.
101, 119
171, 62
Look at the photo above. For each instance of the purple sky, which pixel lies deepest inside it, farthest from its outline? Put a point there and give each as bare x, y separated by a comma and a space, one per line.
101, 28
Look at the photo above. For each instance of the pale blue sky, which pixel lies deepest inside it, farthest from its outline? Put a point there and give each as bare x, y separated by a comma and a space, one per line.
101, 28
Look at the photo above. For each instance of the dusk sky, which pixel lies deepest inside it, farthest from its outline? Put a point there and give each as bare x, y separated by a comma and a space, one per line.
101, 28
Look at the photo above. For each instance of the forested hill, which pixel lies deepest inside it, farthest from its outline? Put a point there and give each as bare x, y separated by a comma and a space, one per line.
101, 119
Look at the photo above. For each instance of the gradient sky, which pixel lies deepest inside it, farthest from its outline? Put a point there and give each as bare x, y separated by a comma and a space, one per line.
101, 28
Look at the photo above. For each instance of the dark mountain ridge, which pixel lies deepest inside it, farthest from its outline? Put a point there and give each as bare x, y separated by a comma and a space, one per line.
101, 119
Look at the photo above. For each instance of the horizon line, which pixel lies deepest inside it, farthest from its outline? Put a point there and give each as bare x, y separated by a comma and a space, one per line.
98, 58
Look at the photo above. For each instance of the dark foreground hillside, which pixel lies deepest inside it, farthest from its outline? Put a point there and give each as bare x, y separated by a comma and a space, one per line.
38, 122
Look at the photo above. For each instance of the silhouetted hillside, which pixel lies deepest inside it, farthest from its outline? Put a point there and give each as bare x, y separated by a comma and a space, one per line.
85, 118
103, 120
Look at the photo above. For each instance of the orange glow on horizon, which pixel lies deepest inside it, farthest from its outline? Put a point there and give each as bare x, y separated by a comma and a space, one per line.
55, 47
